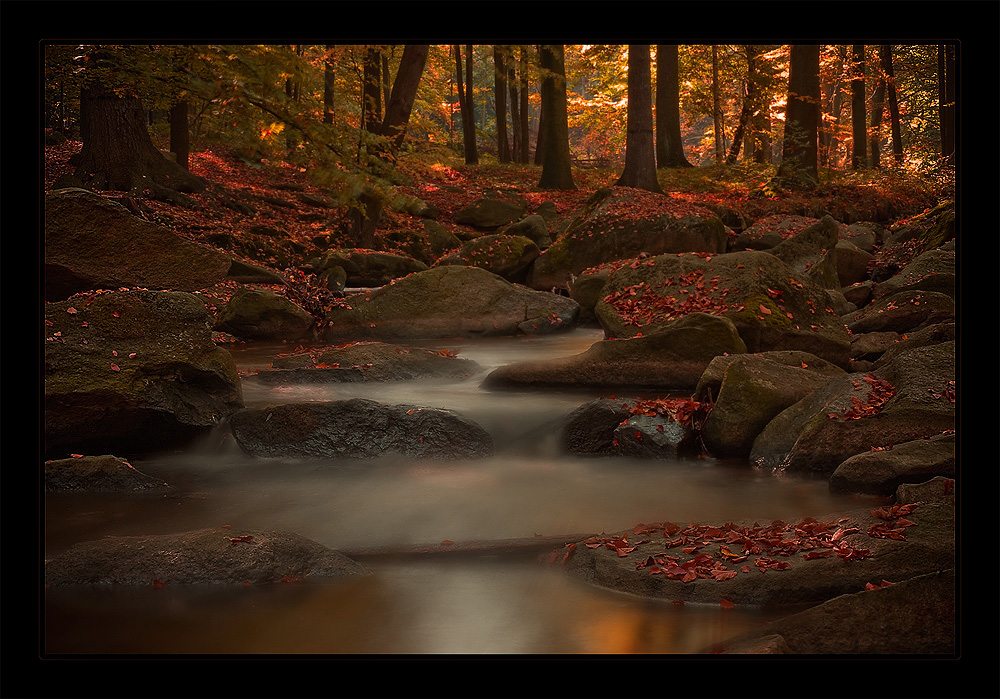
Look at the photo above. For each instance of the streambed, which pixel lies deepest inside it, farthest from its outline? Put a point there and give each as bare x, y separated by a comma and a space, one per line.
433, 603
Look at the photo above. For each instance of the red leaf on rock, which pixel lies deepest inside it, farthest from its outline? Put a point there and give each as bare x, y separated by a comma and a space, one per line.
726, 604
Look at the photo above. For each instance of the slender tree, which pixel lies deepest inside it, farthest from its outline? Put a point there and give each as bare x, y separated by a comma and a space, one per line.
556, 170
329, 84
523, 97
745, 111
875, 129
180, 138
859, 157
404, 91
720, 135
640, 156
669, 144
760, 117
798, 169
500, 98
466, 104
890, 77
946, 100
371, 90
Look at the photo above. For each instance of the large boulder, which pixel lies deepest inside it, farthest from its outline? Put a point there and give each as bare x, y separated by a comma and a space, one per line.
773, 565
450, 301
881, 472
911, 617
813, 252
358, 429
366, 361
674, 357
113, 386
368, 268
507, 256
622, 222
93, 243
933, 270
902, 312
532, 227
217, 555
490, 213
772, 307
754, 389
261, 314
910, 398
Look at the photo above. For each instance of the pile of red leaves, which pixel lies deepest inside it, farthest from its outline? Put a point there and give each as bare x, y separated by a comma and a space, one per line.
772, 546
880, 394
685, 411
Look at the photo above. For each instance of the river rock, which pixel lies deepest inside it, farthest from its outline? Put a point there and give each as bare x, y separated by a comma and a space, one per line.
710, 383
450, 301
902, 312
754, 389
909, 398
672, 357
852, 263
491, 213
106, 473
440, 239
629, 427
533, 227
370, 268
113, 386
507, 256
882, 472
366, 361
769, 231
261, 314
217, 555
772, 565
813, 252
933, 270
924, 337
93, 243
937, 489
913, 617
772, 307
358, 429
622, 222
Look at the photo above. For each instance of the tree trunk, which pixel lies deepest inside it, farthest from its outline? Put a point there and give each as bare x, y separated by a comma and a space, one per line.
117, 152
404, 90
180, 139
837, 107
875, 130
371, 96
946, 100
523, 80
329, 84
760, 118
515, 118
500, 95
640, 156
669, 145
741, 125
799, 147
465, 105
897, 141
720, 136
554, 126
859, 139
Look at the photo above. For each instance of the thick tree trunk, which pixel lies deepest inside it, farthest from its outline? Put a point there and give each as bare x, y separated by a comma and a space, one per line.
640, 156
669, 145
859, 157
798, 168
117, 152
554, 126
500, 97
404, 90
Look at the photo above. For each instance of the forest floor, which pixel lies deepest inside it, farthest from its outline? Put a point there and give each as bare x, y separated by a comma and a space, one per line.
450, 185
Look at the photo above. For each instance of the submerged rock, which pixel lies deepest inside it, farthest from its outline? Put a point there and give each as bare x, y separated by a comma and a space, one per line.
106, 473
359, 429
217, 555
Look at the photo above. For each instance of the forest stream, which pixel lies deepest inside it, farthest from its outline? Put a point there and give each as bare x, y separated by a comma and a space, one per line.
431, 603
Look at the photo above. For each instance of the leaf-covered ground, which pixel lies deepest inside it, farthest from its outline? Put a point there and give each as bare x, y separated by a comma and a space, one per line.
285, 232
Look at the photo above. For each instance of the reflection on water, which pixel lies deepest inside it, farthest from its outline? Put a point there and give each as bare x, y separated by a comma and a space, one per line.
430, 605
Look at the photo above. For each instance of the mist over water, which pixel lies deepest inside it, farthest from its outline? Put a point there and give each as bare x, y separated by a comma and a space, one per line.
430, 605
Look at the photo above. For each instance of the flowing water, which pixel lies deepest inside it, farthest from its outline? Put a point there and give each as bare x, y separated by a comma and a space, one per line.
418, 604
